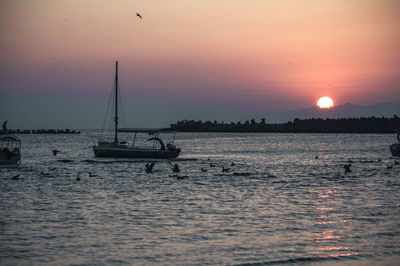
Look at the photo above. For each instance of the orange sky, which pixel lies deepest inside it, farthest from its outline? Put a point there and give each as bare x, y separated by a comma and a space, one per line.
262, 54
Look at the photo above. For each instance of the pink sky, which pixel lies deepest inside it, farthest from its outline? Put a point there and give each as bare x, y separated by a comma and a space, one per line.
256, 55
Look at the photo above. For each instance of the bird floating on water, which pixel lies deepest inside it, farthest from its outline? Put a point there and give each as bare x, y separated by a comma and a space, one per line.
233, 164
389, 166
78, 178
149, 167
225, 169
176, 169
92, 175
15, 177
203, 170
55, 152
347, 168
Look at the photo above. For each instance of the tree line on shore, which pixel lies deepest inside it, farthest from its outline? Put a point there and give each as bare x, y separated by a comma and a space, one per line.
313, 125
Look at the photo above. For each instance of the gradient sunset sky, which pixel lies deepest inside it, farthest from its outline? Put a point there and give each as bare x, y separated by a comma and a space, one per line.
209, 59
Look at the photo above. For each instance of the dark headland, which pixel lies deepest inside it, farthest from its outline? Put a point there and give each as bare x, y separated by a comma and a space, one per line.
314, 125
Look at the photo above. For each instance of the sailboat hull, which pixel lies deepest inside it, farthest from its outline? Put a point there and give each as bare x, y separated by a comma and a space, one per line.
118, 152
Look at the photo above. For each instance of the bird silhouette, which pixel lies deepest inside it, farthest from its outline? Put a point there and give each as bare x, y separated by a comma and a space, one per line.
55, 152
203, 170
233, 164
225, 169
149, 167
176, 169
389, 166
15, 177
347, 168
138, 15
92, 175
78, 178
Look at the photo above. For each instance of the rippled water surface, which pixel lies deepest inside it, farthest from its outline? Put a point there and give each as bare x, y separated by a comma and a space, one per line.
277, 204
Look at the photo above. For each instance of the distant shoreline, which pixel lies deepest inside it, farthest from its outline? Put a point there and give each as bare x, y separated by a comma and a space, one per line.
314, 125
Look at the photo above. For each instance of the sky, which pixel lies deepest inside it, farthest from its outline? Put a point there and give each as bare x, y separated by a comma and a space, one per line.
219, 60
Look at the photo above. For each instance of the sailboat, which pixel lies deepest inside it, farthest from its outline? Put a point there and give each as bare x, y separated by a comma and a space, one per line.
122, 149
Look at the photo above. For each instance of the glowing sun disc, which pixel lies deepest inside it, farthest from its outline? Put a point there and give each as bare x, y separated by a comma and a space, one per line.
325, 102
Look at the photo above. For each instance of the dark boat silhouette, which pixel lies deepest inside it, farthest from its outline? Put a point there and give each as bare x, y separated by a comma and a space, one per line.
123, 149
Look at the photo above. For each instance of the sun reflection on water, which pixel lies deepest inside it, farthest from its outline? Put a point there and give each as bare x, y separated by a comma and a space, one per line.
327, 238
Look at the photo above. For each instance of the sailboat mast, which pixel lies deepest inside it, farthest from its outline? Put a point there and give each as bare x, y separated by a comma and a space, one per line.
116, 103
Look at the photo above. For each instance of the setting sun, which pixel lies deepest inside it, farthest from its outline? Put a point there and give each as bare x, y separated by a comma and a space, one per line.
325, 102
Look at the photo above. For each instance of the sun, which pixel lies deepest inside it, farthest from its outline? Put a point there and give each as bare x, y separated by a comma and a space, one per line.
325, 102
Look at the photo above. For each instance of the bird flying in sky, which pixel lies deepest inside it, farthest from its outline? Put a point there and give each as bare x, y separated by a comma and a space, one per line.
137, 14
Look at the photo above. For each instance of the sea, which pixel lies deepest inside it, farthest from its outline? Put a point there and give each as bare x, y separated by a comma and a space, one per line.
285, 199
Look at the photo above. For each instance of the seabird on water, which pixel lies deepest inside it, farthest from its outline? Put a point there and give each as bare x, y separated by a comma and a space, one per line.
347, 168
149, 167
225, 169
176, 169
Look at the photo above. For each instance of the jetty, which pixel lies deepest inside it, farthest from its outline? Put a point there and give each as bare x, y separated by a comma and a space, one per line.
42, 131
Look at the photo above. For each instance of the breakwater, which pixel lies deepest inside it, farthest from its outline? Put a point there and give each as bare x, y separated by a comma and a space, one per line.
42, 131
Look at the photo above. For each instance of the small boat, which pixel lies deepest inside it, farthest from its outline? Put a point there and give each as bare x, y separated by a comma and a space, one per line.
114, 148
395, 147
10, 149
